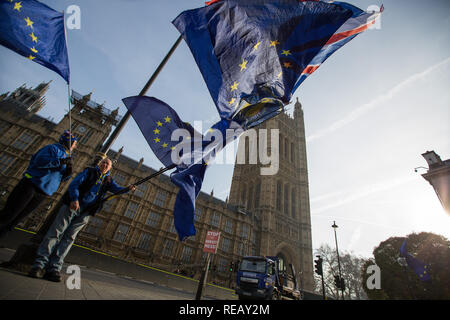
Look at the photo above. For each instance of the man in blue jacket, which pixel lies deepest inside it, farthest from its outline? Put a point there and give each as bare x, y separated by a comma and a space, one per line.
47, 168
79, 203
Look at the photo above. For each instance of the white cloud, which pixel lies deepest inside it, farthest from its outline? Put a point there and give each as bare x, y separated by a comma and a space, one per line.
377, 102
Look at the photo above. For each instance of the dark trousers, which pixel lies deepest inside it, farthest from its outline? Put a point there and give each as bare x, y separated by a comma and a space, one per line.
23, 199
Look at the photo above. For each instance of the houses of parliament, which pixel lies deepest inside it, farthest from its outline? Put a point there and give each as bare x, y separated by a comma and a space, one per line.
263, 215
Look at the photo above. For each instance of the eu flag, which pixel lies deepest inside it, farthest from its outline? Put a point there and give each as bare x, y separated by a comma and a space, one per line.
190, 151
36, 32
253, 54
420, 268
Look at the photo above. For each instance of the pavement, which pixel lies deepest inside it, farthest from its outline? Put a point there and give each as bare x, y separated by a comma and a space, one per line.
94, 285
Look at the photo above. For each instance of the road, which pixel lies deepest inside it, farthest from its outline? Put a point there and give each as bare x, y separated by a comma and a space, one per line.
95, 285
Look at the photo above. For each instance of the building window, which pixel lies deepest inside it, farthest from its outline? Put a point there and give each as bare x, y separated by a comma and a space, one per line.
94, 226
85, 135
223, 265
198, 214
24, 140
131, 210
186, 254
279, 227
160, 199
6, 162
120, 178
140, 190
215, 219
167, 249
226, 243
228, 226
144, 241
293, 203
257, 194
244, 231
153, 219
292, 152
241, 251
172, 226
108, 204
121, 233
279, 195
250, 197
286, 199
286, 148
244, 194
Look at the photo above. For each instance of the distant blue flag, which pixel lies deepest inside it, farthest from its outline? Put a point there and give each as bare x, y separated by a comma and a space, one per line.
420, 268
254, 54
190, 152
36, 32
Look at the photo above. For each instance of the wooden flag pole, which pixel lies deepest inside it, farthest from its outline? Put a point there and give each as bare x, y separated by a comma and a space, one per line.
127, 115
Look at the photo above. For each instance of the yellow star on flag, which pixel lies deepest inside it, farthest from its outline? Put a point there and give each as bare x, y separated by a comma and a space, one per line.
165, 145
274, 43
167, 119
287, 65
33, 49
156, 131
243, 65
231, 101
234, 86
279, 75
255, 47
29, 22
159, 124
17, 6
156, 140
286, 52
33, 37
31, 57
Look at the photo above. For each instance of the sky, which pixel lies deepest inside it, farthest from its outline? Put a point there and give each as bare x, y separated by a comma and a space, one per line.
370, 110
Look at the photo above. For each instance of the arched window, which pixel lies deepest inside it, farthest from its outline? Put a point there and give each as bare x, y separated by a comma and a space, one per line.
293, 204
250, 197
286, 148
279, 195
257, 194
244, 194
286, 199
292, 152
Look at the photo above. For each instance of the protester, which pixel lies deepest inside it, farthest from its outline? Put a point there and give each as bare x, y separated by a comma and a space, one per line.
47, 168
80, 202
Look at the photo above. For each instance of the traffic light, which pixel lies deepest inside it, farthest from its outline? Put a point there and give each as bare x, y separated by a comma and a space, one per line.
318, 264
231, 266
337, 282
342, 287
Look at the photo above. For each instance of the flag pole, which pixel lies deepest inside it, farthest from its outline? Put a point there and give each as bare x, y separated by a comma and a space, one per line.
126, 117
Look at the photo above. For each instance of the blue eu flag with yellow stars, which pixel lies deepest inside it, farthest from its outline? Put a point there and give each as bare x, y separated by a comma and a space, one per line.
36, 32
420, 268
253, 54
190, 152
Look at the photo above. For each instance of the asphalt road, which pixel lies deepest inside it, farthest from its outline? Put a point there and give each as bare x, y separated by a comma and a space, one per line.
95, 284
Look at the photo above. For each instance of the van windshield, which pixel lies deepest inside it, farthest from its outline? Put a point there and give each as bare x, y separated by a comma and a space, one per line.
258, 266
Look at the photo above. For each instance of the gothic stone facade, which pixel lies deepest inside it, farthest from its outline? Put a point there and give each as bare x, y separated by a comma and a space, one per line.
138, 226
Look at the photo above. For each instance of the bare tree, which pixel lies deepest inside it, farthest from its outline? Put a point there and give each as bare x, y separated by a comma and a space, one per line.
351, 267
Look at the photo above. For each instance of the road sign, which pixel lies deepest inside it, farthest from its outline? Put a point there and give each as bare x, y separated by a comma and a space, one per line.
211, 241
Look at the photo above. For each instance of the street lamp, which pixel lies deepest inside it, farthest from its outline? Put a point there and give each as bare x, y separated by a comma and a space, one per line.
334, 226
